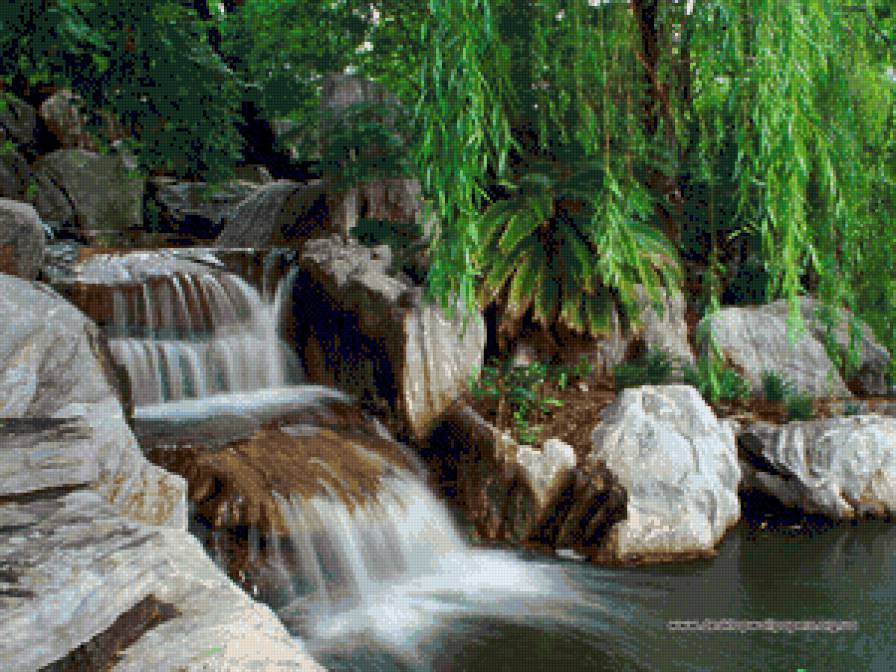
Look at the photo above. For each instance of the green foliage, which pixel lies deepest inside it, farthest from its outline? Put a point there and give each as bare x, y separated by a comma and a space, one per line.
654, 367
522, 389
775, 388
146, 62
406, 241
284, 47
367, 142
799, 406
715, 380
761, 141
851, 408
570, 247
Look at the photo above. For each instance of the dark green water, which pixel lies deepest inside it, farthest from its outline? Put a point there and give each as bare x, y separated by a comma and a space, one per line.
838, 573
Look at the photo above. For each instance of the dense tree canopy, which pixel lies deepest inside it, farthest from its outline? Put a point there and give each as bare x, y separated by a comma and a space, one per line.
759, 139
573, 149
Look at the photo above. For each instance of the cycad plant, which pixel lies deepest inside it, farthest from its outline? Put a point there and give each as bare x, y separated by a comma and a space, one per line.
568, 246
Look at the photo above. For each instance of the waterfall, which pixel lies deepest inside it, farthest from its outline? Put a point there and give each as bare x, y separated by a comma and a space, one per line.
187, 330
366, 552
393, 567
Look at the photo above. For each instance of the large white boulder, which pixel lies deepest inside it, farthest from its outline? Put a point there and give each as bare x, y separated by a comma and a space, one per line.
54, 364
375, 335
678, 465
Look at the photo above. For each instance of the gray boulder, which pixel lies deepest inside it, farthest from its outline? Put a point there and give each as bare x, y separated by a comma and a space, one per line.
92, 191
754, 339
22, 239
282, 213
667, 331
62, 117
837, 467
393, 200
74, 567
253, 173
871, 377
18, 123
95, 548
62, 114
375, 335
678, 465
513, 492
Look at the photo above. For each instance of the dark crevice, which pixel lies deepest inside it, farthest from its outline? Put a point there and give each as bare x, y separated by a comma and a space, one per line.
103, 651
44, 494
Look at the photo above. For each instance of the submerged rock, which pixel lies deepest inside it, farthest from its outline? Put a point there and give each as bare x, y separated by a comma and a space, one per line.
236, 485
376, 336
678, 465
837, 467
22, 239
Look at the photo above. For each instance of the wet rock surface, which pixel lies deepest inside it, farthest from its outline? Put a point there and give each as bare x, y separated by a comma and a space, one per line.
95, 548
235, 485
281, 213
195, 207
841, 468
240, 490
55, 363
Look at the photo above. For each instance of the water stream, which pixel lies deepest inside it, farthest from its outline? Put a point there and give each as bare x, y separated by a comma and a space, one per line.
388, 581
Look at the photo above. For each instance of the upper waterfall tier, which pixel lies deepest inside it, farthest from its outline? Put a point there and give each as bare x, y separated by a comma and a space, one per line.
183, 327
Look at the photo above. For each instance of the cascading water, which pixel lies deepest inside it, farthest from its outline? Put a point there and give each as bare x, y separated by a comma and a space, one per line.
188, 330
366, 559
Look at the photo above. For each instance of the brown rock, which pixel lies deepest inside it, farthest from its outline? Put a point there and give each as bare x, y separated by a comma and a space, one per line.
558, 503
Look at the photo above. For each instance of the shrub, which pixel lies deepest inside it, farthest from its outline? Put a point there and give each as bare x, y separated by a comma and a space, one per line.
799, 406
522, 389
655, 367
716, 381
774, 387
